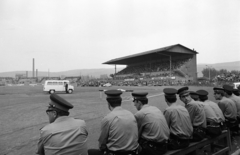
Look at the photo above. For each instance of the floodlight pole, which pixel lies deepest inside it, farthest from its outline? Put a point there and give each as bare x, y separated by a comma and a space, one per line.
170, 58
208, 72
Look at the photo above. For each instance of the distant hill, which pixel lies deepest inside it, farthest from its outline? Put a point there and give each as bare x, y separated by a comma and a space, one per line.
229, 66
84, 72
97, 72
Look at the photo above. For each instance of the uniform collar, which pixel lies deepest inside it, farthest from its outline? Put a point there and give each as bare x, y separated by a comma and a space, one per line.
117, 108
223, 98
61, 119
145, 105
173, 104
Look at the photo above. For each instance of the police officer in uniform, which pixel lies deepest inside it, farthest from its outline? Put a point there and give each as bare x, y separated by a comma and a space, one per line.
64, 134
178, 120
152, 126
119, 130
214, 115
227, 106
229, 94
196, 112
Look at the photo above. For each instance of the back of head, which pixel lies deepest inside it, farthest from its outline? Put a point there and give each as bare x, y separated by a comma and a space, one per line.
170, 94
203, 95
228, 89
114, 97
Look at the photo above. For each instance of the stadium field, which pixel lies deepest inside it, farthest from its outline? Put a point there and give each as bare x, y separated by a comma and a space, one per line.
22, 112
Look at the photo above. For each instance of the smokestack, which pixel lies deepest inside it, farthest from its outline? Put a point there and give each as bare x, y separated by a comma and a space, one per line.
26, 73
36, 73
33, 68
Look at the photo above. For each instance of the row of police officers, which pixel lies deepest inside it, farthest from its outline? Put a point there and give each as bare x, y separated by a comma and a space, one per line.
149, 131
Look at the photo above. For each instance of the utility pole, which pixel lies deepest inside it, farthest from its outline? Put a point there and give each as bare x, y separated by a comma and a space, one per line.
209, 74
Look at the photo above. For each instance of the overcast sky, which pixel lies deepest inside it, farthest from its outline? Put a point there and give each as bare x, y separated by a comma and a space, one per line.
82, 34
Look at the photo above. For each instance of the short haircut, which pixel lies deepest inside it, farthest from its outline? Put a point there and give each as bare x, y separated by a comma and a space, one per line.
61, 112
228, 92
114, 102
144, 100
171, 100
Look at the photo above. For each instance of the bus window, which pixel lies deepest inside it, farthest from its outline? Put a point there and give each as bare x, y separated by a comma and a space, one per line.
49, 83
60, 83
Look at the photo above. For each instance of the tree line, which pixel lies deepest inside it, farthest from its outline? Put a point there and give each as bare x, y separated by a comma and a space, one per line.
212, 72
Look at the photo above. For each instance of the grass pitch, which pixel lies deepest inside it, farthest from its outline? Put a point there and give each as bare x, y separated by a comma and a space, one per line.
22, 112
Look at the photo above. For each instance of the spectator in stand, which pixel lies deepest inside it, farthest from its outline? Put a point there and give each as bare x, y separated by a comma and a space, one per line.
153, 130
196, 112
214, 115
64, 134
178, 120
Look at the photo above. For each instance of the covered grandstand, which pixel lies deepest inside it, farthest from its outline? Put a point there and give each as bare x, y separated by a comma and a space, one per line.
175, 62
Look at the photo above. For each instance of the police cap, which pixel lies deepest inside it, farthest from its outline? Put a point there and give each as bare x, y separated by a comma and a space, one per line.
113, 94
170, 92
202, 92
139, 95
227, 88
194, 95
236, 91
218, 91
59, 103
216, 88
183, 91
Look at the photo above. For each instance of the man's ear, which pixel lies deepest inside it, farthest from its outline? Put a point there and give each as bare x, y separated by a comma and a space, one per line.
55, 113
109, 107
140, 102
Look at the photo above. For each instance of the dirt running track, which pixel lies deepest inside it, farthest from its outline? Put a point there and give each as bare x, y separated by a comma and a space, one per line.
22, 113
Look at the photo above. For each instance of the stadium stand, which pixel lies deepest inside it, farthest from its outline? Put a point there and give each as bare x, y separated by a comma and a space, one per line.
175, 62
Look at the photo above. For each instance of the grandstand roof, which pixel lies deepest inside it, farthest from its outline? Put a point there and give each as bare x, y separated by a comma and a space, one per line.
168, 50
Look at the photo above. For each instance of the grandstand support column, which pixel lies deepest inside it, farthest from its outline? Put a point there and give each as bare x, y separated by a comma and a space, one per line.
33, 70
170, 66
170, 63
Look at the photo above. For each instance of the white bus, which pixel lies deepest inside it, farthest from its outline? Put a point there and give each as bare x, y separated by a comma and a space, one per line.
236, 85
52, 86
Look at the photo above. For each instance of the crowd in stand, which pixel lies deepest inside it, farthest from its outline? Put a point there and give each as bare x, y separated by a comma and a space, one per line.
155, 66
228, 77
